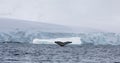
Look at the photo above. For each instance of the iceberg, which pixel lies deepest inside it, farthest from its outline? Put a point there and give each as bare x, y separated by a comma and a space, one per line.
74, 40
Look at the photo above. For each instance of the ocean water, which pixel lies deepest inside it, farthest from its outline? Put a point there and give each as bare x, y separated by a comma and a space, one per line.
53, 53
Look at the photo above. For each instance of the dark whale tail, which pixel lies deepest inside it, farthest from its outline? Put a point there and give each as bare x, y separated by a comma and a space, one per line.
62, 43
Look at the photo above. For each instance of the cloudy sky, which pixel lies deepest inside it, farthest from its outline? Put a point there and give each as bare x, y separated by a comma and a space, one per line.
99, 14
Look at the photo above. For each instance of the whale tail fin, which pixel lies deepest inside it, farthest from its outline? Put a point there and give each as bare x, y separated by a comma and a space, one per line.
62, 43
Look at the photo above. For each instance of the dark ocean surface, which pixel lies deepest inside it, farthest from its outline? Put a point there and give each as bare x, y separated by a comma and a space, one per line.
48, 53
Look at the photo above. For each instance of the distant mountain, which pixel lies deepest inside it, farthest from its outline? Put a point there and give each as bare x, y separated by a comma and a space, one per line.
12, 24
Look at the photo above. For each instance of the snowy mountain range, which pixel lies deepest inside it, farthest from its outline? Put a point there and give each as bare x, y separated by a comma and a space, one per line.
12, 24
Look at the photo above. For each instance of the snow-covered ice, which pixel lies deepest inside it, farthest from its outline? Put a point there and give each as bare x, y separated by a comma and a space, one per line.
74, 40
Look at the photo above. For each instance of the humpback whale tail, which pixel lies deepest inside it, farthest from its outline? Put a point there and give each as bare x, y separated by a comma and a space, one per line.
62, 43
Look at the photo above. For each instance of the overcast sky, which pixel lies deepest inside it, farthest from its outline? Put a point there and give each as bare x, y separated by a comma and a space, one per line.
99, 14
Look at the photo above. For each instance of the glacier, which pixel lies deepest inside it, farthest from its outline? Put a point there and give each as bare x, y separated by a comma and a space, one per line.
28, 37
102, 38
13, 30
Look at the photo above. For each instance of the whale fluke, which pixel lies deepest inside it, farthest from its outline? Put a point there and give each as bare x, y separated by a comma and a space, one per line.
62, 43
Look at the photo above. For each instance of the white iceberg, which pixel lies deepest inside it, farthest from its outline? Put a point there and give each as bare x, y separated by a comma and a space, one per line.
74, 40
